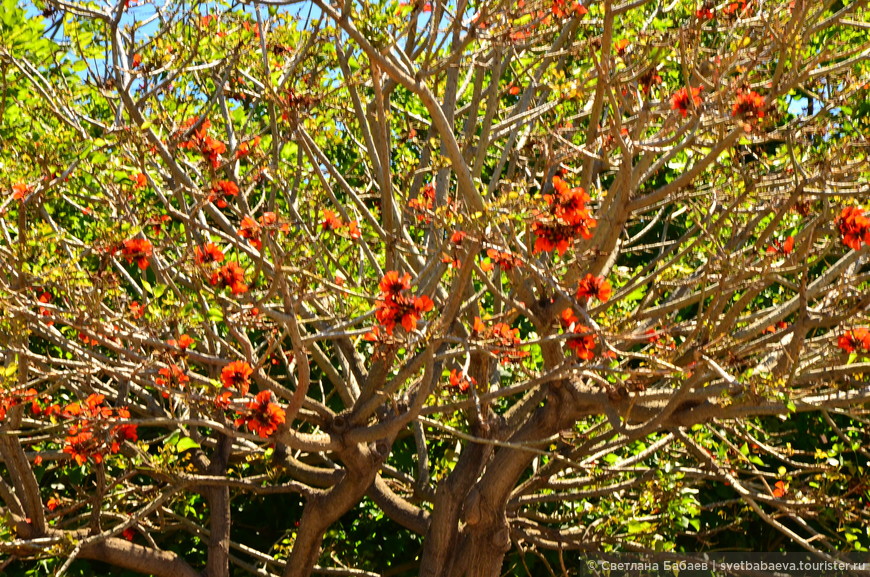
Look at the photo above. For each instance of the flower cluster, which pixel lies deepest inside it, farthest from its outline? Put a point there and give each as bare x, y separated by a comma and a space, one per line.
252, 230
138, 250
393, 307
209, 147
12, 399
583, 344
230, 275
564, 8
855, 339
172, 377
568, 218
781, 247
237, 375
423, 203
748, 105
684, 98
208, 253
220, 190
594, 286
854, 227
504, 260
501, 339
452, 260
459, 381
332, 222
20, 190
263, 417
95, 430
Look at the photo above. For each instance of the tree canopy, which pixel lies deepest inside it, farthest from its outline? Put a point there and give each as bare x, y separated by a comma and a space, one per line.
461, 288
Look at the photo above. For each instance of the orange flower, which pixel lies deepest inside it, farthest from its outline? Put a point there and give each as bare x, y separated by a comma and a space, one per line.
505, 260
330, 221
391, 285
459, 380
245, 148
594, 286
237, 375
139, 180
353, 229
682, 100
784, 247
568, 219
230, 275
20, 190
779, 489
80, 444
52, 503
748, 105
854, 227
184, 342
855, 339
250, 230
265, 416
225, 188
172, 376
208, 253
139, 250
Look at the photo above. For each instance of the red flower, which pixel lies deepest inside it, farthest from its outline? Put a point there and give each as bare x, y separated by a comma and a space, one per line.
505, 260
506, 340
237, 375
353, 229
139, 250
394, 308
80, 444
735, 7
184, 342
779, 490
423, 203
52, 503
682, 101
784, 247
855, 339
568, 219
137, 310
246, 147
139, 180
704, 13
265, 416
331, 221
594, 286
392, 285
621, 46
583, 346
225, 188
250, 230
222, 400
20, 190
208, 253
230, 275
129, 532
459, 380
854, 227
457, 237
749, 105
172, 376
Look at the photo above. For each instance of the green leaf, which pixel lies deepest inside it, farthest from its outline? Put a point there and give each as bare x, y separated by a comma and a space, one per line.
185, 444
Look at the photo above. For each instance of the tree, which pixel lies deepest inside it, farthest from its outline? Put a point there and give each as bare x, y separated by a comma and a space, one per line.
286, 284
